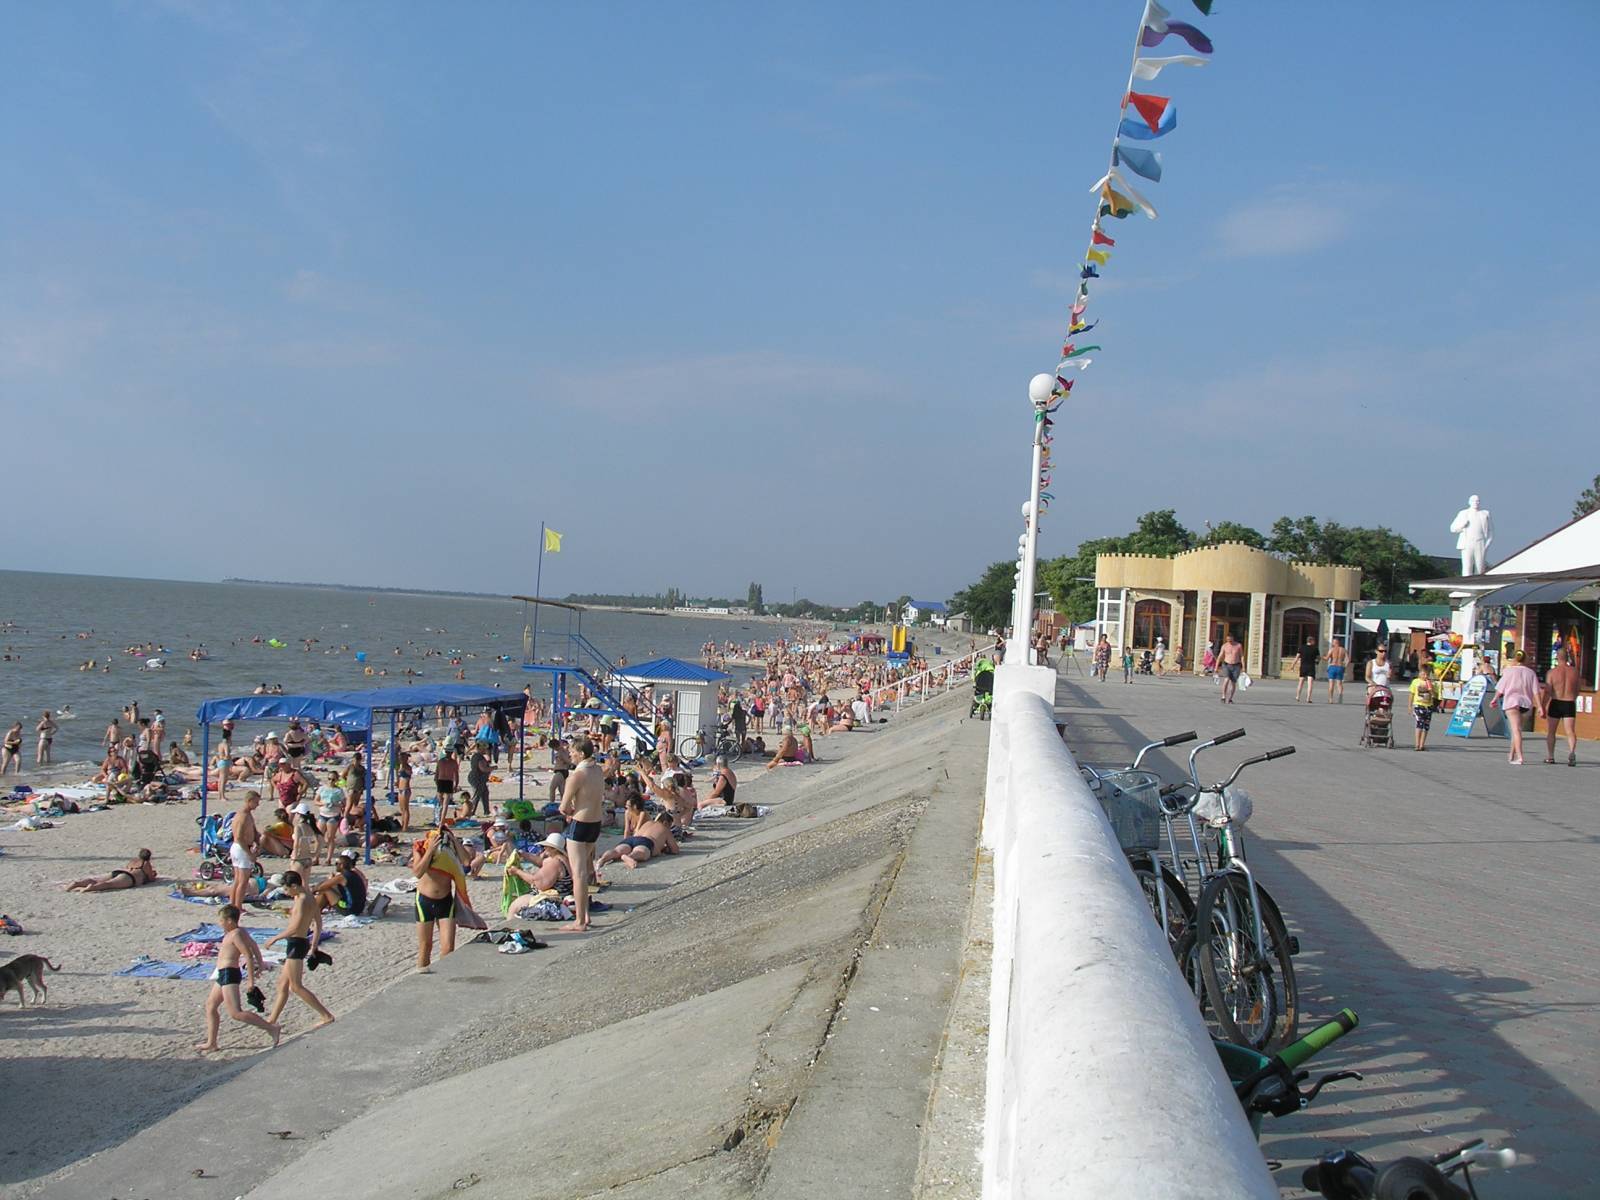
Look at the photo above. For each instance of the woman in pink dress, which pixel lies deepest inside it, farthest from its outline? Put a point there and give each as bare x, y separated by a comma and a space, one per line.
1517, 694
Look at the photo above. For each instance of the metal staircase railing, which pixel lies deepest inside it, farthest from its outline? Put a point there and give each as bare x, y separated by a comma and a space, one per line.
934, 682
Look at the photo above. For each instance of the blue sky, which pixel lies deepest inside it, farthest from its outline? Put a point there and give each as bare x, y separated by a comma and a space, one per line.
361, 292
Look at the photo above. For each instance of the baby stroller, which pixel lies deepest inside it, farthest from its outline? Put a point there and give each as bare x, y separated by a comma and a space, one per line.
216, 836
982, 693
1377, 725
1147, 663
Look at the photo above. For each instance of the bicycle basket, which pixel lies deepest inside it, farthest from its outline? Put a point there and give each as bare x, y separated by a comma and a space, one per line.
1131, 805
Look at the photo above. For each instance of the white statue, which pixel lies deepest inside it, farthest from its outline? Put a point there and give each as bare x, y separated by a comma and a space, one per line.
1476, 530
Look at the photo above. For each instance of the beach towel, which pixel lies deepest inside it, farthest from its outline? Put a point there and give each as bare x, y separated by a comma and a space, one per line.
722, 810
145, 967
348, 921
446, 863
546, 910
213, 901
510, 888
207, 932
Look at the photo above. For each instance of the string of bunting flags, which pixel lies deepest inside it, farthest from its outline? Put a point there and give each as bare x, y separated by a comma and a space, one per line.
1142, 117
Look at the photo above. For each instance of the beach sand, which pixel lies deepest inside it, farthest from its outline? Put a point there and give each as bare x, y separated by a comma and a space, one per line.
125, 1044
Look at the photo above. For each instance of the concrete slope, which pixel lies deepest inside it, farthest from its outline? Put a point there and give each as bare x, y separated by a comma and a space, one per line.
739, 959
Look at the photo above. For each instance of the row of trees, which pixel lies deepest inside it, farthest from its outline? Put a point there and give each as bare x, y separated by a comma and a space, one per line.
1388, 561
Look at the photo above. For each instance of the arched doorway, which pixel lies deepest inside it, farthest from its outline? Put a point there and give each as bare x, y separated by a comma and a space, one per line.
1152, 619
1298, 625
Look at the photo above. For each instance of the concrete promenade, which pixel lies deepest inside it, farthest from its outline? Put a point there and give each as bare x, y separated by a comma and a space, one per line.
765, 1015
1446, 896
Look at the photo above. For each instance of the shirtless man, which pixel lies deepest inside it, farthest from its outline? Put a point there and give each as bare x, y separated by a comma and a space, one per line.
300, 943
788, 749
113, 736
246, 845
644, 836
1338, 663
1560, 695
583, 803
1230, 662
236, 944
724, 784
436, 900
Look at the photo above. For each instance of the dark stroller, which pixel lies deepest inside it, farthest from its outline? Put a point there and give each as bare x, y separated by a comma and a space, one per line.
1377, 725
982, 693
1147, 663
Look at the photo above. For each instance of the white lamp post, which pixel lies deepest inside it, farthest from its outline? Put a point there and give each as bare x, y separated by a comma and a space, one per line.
1041, 391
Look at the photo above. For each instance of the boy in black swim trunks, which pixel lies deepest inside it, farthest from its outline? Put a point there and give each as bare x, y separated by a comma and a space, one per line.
300, 942
436, 897
236, 944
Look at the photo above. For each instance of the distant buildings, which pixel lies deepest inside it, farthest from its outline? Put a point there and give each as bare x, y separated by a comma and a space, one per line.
929, 610
1200, 596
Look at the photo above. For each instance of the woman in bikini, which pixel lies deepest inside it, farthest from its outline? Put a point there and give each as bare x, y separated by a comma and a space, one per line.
644, 835
140, 870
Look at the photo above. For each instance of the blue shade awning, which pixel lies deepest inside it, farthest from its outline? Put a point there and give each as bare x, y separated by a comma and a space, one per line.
354, 710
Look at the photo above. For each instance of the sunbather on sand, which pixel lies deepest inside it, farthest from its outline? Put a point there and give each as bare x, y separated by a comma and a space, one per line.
788, 749
140, 870
644, 835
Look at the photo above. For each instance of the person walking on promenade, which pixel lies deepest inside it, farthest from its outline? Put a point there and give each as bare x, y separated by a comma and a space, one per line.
1161, 656
236, 945
1308, 656
1338, 661
1560, 707
1127, 665
1517, 694
1424, 702
1102, 658
1230, 664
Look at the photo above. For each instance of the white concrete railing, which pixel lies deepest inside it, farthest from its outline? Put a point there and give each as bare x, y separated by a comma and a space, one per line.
920, 687
1102, 1080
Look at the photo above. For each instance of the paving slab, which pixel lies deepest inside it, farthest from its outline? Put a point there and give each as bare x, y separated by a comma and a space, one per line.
1446, 896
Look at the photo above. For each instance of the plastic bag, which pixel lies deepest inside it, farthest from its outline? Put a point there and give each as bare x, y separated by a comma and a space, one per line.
1244, 679
1209, 807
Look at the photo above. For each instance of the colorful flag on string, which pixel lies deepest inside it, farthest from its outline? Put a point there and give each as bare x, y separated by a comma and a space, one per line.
1204, 6
1120, 196
1071, 351
1151, 36
1149, 68
1152, 108
1101, 239
552, 542
1140, 162
1099, 256
1079, 327
1089, 272
1139, 130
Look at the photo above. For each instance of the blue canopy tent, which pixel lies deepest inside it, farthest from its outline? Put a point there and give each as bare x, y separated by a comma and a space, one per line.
353, 711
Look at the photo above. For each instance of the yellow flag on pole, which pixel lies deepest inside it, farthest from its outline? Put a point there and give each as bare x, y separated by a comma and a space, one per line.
552, 542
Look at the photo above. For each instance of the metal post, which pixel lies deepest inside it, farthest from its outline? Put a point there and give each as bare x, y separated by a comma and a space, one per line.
1041, 390
394, 754
538, 582
370, 764
205, 771
522, 751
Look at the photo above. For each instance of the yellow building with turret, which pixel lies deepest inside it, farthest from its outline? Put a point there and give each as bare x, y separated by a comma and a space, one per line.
1199, 596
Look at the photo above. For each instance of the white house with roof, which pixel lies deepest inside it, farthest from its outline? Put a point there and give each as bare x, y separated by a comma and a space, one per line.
929, 610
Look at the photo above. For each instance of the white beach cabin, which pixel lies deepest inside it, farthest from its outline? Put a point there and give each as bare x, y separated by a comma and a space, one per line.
692, 690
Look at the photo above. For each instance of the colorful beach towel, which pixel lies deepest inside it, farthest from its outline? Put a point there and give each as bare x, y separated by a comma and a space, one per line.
207, 932
145, 967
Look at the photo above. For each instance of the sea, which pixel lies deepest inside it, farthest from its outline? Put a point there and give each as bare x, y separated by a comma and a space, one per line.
304, 638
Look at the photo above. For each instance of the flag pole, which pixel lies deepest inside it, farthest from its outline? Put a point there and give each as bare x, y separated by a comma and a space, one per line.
538, 581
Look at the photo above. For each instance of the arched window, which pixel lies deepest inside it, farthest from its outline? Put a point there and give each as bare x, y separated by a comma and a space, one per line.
1152, 619
1298, 625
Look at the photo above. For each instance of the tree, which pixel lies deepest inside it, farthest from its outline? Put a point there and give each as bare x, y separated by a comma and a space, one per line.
1159, 533
988, 601
753, 600
1588, 500
1297, 538
1233, 531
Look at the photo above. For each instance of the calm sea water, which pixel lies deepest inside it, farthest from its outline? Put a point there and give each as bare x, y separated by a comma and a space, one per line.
42, 615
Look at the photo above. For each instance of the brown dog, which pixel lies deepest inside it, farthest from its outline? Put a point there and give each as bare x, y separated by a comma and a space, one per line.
29, 968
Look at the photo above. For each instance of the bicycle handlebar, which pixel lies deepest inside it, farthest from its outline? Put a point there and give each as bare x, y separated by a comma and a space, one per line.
1227, 737
1178, 739
1298, 1052
1281, 752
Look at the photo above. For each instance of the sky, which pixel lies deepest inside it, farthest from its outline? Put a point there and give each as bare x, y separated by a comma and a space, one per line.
361, 292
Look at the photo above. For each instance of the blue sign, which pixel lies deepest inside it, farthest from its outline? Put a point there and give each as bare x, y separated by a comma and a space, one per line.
1473, 702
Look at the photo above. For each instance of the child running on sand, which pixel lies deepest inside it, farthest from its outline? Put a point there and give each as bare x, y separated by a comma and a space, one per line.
300, 943
236, 944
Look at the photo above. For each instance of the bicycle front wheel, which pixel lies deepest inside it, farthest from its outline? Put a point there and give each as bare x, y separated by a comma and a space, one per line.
1163, 889
689, 747
1241, 990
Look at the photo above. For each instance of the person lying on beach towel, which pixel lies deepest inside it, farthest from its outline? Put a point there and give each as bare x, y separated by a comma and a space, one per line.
644, 836
139, 870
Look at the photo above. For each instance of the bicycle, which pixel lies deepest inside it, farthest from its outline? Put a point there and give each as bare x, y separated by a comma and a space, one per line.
692, 747
1237, 953
1346, 1175
1130, 798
